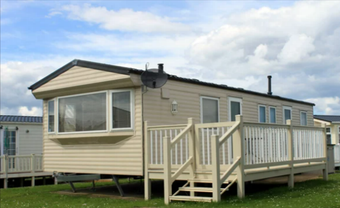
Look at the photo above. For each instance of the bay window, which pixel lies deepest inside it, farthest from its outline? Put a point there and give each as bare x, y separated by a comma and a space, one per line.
91, 112
82, 113
51, 115
121, 109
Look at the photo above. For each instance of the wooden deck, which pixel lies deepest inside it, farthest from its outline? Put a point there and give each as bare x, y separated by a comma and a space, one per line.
21, 166
222, 154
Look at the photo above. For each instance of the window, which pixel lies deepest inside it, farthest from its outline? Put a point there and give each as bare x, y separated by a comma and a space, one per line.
329, 135
209, 110
287, 114
303, 118
51, 116
262, 114
121, 109
272, 115
235, 108
82, 113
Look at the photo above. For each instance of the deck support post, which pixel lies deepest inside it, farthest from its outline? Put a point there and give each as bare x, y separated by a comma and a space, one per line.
167, 169
55, 181
22, 182
147, 181
5, 168
192, 153
215, 161
33, 169
290, 154
325, 171
238, 149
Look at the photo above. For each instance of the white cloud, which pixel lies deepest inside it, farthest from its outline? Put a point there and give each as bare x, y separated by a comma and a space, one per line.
124, 19
327, 105
296, 48
24, 111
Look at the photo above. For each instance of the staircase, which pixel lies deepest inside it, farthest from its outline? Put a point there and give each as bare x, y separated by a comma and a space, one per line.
199, 191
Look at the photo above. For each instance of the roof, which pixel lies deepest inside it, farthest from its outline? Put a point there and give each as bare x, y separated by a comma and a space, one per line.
127, 71
23, 119
329, 118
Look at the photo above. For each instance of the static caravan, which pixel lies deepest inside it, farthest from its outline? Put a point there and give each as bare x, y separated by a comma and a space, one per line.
101, 119
21, 135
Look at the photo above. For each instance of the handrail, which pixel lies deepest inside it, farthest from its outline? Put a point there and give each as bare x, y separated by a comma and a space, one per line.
226, 135
181, 169
180, 135
228, 172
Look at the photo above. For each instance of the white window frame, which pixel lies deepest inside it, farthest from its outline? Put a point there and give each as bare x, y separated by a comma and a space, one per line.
210, 98
265, 113
269, 114
55, 115
283, 113
132, 104
230, 99
84, 132
301, 112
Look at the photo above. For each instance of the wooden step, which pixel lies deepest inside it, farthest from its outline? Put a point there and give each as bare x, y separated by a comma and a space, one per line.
196, 180
198, 189
191, 198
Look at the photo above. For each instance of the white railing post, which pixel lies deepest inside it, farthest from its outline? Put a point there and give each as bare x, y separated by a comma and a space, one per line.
5, 170
192, 154
33, 169
167, 169
215, 162
290, 154
238, 150
147, 181
325, 171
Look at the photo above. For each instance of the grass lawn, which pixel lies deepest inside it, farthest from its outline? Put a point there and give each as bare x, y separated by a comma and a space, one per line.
313, 193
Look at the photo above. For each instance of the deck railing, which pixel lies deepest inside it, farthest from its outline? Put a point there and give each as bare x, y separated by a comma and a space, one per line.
21, 163
337, 154
271, 144
203, 133
232, 148
180, 152
265, 143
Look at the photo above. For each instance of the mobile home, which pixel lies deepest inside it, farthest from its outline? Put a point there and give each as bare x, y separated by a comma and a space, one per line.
100, 119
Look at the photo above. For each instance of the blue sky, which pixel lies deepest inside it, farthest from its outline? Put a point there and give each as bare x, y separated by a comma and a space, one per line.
237, 43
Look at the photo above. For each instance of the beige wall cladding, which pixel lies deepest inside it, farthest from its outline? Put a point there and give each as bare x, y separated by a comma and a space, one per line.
81, 79
157, 109
118, 153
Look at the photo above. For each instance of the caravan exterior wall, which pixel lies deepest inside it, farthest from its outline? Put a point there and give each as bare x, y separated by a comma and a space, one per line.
157, 110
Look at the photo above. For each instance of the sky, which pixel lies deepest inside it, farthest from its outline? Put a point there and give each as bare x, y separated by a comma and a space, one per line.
237, 43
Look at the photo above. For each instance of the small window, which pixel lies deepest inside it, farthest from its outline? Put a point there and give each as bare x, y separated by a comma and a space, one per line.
51, 116
287, 114
262, 114
328, 135
82, 113
235, 108
272, 115
122, 109
303, 119
209, 110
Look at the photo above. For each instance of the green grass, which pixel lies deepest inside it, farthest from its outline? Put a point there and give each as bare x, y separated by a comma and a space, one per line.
314, 193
